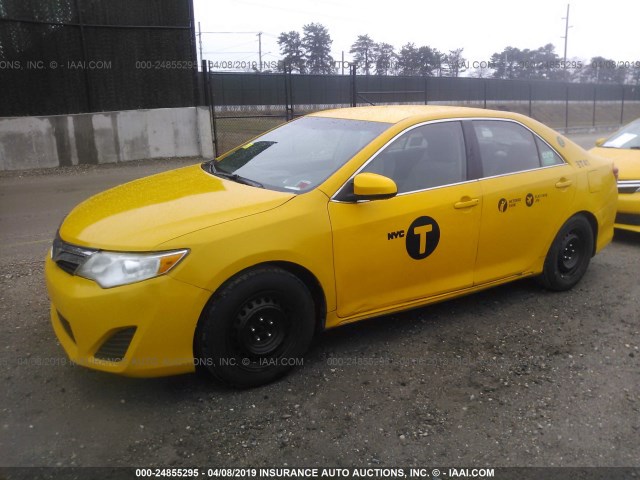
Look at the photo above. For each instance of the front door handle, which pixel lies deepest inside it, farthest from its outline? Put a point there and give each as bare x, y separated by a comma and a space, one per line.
564, 183
466, 203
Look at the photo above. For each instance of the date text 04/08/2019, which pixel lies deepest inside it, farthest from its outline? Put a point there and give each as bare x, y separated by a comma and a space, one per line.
373, 472
244, 65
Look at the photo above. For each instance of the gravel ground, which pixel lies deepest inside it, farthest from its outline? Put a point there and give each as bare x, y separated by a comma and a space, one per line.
513, 376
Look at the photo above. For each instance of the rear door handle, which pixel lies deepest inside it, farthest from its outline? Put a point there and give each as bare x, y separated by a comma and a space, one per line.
563, 183
472, 202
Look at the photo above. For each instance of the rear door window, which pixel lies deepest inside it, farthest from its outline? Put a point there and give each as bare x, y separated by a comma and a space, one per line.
505, 147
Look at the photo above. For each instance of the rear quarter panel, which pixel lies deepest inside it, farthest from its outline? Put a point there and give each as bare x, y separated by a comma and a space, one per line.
595, 183
599, 195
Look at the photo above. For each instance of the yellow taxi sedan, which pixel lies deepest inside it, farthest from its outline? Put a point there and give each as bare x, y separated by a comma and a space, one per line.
232, 266
623, 147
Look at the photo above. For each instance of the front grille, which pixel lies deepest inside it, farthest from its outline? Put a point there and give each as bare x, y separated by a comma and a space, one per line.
115, 347
69, 257
628, 219
67, 327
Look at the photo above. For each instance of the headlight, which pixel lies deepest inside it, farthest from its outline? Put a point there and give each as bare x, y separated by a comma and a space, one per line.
111, 269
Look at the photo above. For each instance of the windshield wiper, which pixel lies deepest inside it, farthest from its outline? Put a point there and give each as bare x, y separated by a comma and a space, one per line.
635, 147
234, 177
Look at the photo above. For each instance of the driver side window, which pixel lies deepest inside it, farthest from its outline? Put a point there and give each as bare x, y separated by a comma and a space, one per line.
425, 157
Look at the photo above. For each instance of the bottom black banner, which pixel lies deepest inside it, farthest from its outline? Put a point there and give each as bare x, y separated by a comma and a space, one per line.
278, 473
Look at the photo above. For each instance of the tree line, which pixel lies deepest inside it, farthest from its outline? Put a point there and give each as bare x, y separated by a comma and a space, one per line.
310, 52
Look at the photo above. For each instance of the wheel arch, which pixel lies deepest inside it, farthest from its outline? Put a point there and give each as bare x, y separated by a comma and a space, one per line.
312, 283
561, 271
591, 218
302, 273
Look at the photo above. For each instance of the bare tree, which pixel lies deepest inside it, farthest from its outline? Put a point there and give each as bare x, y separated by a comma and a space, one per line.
432, 62
456, 63
482, 71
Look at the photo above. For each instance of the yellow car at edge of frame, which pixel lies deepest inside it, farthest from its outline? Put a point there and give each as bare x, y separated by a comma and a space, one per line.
623, 147
232, 266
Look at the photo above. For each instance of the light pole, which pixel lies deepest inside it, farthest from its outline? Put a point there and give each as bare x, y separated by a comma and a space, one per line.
566, 37
259, 34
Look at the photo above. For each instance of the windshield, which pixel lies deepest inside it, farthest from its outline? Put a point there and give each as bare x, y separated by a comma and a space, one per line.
300, 155
627, 137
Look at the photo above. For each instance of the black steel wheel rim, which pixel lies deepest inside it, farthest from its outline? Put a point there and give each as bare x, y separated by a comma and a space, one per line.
261, 327
571, 253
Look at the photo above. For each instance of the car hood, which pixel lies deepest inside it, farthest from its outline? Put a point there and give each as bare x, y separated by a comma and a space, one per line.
142, 214
627, 161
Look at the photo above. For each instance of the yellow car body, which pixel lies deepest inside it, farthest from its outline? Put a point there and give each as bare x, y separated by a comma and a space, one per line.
627, 160
357, 256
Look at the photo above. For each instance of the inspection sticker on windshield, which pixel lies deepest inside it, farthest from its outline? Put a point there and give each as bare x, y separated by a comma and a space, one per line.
301, 185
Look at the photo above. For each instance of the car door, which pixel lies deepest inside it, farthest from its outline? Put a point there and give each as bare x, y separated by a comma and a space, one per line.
419, 243
527, 189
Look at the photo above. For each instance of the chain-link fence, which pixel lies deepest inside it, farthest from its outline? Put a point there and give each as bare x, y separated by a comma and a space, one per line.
244, 106
247, 104
74, 56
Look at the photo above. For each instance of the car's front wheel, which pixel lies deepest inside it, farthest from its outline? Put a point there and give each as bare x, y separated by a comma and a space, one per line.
569, 255
256, 327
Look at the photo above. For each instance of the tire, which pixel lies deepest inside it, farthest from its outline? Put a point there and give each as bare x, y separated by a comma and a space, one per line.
569, 255
256, 327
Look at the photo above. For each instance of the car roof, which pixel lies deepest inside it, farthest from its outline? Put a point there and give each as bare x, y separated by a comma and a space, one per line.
417, 113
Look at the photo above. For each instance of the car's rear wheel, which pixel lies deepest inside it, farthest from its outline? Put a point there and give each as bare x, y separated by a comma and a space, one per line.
256, 327
569, 255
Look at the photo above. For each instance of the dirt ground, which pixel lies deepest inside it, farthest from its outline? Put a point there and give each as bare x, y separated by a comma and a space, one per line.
513, 376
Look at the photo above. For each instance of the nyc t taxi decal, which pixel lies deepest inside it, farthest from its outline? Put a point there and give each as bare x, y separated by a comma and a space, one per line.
421, 238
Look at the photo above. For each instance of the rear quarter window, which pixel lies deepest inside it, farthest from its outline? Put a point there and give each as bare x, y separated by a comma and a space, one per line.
548, 155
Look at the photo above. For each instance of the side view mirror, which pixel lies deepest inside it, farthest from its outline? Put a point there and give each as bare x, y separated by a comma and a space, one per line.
600, 141
371, 186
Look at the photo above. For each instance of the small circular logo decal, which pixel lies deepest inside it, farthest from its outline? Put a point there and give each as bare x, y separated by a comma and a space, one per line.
502, 205
529, 199
422, 237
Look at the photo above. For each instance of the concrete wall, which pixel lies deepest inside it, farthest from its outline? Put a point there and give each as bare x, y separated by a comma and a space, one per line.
107, 137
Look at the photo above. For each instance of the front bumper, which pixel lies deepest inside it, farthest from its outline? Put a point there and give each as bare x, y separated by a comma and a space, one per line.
143, 329
628, 216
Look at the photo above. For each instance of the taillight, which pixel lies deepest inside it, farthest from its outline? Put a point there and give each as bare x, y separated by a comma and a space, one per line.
615, 171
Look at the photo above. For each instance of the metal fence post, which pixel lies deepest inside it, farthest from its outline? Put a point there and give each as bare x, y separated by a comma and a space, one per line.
595, 95
288, 92
622, 108
194, 56
566, 109
484, 89
208, 98
354, 92
205, 83
426, 90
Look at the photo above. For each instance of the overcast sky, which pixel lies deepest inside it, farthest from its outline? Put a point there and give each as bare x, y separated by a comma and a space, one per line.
608, 28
